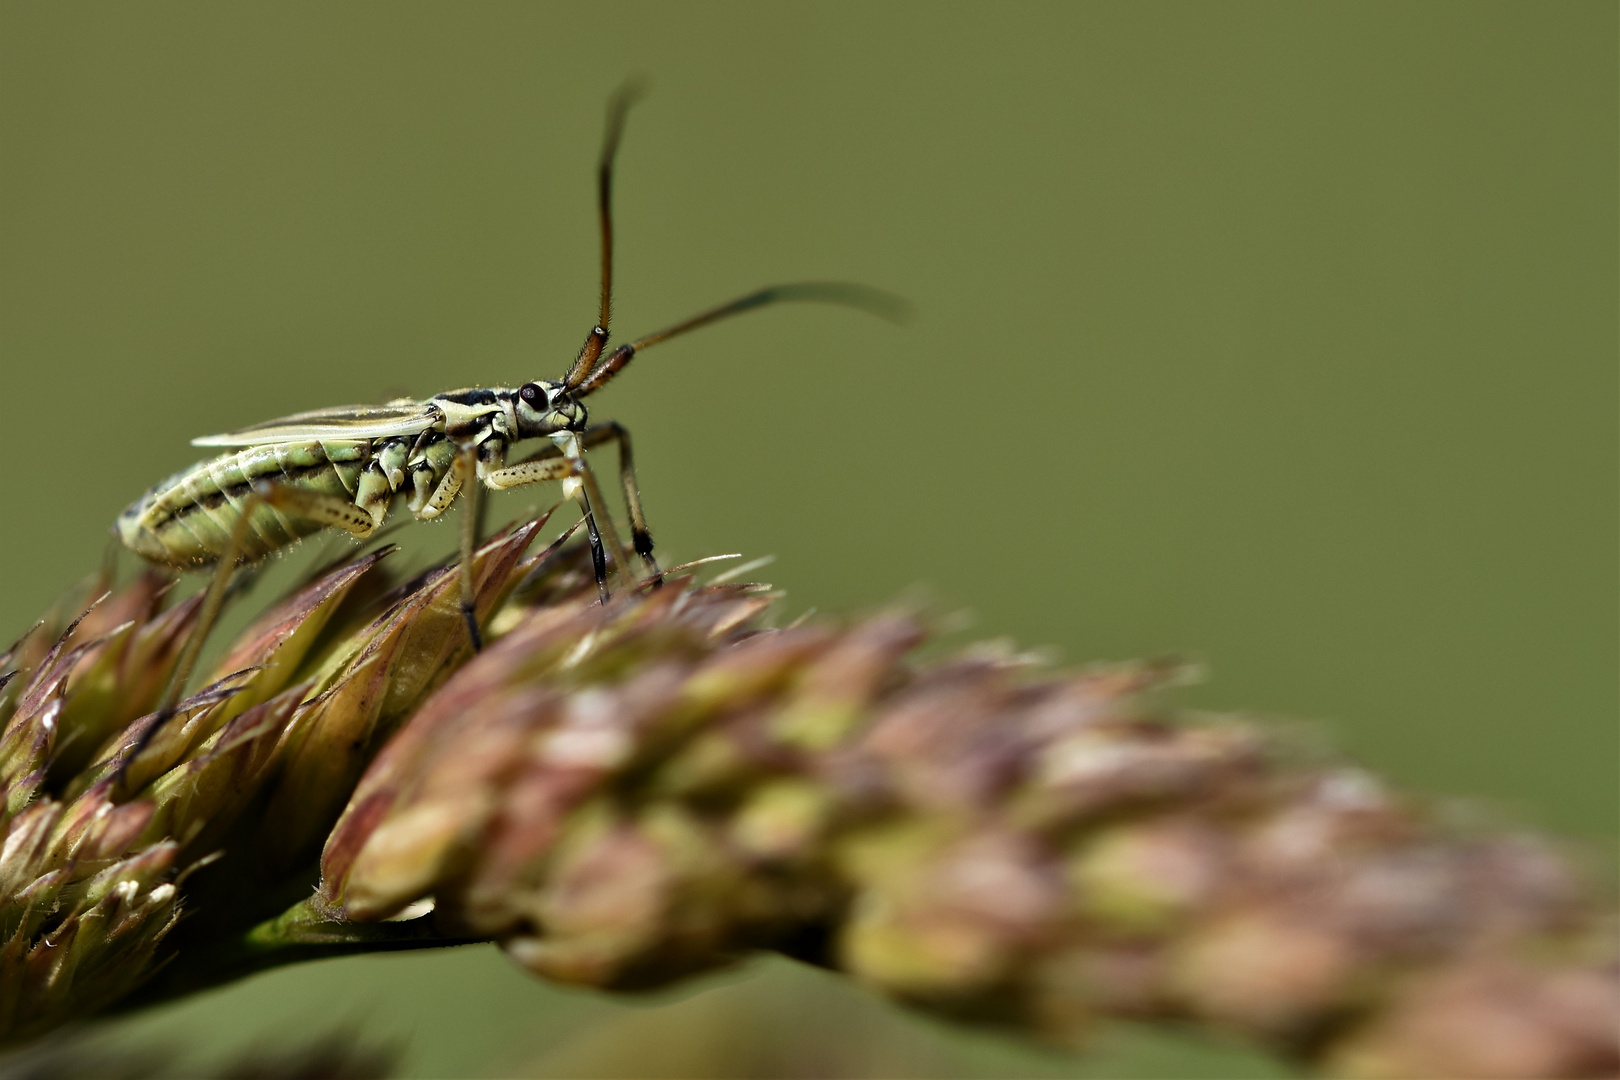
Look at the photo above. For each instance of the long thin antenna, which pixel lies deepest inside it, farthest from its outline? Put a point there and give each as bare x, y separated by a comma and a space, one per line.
618, 108
875, 301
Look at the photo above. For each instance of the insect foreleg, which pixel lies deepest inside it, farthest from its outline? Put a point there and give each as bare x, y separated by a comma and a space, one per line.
552, 464
590, 494
639, 534
598, 559
549, 464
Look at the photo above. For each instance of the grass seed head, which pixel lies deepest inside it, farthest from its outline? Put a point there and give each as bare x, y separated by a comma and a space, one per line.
622, 795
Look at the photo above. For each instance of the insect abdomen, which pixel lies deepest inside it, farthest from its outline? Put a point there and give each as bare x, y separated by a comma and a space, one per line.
187, 520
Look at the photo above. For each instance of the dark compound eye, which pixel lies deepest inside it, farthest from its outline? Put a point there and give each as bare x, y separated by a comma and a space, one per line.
533, 394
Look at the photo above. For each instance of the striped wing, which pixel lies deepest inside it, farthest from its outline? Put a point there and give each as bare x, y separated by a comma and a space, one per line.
342, 422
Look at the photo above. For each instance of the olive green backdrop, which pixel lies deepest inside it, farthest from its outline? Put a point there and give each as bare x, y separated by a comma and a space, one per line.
1283, 336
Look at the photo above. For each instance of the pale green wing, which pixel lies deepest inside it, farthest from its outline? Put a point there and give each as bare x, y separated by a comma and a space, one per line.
342, 422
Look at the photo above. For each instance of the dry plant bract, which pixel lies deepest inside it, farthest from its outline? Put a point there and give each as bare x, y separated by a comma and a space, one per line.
623, 795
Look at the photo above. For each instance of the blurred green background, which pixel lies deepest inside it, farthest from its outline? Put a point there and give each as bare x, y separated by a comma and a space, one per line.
1283, 336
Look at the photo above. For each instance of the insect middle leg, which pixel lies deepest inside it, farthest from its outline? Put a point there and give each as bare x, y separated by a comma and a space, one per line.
460, 479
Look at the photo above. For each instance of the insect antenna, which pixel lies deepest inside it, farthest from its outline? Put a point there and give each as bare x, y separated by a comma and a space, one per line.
618, 108
847, 294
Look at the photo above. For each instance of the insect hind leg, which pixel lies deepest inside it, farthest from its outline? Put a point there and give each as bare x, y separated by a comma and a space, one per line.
318, 507
314, 506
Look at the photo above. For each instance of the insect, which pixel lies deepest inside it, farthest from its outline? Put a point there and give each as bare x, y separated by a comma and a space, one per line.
344, 467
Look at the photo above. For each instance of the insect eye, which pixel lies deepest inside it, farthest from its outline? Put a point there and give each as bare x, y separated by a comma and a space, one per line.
533, 394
